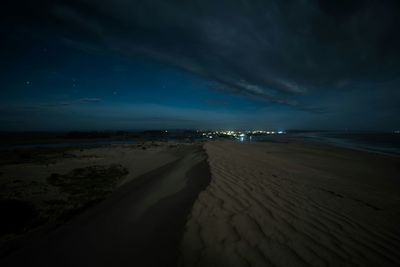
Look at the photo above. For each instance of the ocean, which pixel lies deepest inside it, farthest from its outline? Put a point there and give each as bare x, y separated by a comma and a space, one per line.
383, 143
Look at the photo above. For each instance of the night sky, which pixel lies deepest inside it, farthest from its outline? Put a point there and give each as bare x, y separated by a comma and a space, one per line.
227, 64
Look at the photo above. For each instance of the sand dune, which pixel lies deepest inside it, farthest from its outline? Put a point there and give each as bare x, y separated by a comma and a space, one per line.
295, 205
140, 224
51, 185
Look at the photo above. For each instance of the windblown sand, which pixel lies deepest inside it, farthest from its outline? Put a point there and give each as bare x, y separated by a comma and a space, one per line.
295, 204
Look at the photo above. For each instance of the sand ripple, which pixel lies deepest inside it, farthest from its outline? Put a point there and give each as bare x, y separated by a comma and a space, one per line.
265, 208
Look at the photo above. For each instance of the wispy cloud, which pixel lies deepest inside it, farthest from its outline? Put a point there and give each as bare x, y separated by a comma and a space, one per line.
275, 51
77, 102
270, 50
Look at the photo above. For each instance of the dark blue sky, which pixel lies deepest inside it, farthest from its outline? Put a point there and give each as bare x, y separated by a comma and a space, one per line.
84, 65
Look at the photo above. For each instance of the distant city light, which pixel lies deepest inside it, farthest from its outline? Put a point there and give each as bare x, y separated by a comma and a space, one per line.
242, 135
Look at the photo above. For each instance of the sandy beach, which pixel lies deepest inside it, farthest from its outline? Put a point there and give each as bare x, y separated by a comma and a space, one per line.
53, 185
282, 202
141, 222
295, 204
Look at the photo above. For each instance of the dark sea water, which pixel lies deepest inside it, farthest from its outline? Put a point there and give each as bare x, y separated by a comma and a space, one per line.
69, 144
385, 143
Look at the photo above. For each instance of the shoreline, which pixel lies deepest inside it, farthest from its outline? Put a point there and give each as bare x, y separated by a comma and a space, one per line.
354, 146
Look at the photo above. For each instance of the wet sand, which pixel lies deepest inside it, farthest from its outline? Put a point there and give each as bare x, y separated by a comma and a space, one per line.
295, 204
141, 223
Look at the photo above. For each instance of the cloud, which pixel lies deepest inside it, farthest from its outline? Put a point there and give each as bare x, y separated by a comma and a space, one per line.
80, 101
274, 51
128, 116
88, 100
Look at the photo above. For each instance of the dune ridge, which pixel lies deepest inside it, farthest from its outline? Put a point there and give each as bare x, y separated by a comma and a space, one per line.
139, 224
296, 204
